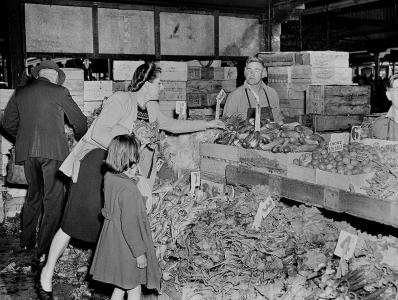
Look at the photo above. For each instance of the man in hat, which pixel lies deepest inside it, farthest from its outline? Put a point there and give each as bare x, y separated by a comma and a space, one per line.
35, 117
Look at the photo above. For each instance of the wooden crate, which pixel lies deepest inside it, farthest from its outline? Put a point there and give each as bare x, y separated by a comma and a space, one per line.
292, 103
124, 69
292, 112
74, 82
207, 113
338, 99
323, 59
379, 210
194, 73
225, 73
210, 86
201, 99
214, 158
97, 90
121, 86
329, 122
173, 91
174, 71
290, 90
310, 75
5, 96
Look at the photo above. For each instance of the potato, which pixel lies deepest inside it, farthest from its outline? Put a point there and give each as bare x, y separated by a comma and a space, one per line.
296, 161
346, 160
322, 167
349, 166
329, 166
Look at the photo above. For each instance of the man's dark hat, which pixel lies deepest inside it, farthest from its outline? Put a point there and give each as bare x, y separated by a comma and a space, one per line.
49, 64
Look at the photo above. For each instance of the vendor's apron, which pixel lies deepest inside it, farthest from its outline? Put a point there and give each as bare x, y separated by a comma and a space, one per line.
266, 112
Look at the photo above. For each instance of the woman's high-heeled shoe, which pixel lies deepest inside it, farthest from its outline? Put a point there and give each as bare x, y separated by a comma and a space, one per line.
43, 295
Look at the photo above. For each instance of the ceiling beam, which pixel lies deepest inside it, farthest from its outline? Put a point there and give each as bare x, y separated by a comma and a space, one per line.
336, 5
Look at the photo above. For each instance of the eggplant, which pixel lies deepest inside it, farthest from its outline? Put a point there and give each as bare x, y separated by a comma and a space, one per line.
271, 145
254, 140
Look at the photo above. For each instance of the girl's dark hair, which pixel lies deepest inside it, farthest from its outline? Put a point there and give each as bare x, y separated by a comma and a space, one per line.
123, 152
146, 72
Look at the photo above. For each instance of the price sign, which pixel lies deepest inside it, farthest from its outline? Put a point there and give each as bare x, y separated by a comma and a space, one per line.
263, 211
257, 118
195, 180
361, 156
181, 108
356, 132
337, 141
335, 146
220, 97
159, 164
346, 245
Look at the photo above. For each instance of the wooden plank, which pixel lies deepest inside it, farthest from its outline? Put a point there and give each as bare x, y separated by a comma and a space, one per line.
244, 176
73, 74
225, 73
229, 153
210, 86
124, 69
292, 112
379, 210
278, 58
214, 167
173, 91
238, 36
183, 34
338, 99
290, 90
201, 99
330, 123
45, 24
126, 31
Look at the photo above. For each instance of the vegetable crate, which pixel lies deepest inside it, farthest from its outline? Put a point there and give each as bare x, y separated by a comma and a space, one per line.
214, 158
379, 210
330, 122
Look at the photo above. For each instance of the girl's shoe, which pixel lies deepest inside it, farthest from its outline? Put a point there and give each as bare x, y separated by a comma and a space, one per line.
43, 295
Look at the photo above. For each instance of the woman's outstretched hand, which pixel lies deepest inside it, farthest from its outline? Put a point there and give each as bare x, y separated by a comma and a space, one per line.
215, 124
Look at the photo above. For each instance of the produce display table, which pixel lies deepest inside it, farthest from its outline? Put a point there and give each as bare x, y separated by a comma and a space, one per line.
379, 210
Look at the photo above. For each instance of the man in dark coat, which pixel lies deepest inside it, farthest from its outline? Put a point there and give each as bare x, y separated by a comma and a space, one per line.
35, 116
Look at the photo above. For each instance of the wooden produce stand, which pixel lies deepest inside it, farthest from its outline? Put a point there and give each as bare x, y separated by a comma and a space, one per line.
229, 164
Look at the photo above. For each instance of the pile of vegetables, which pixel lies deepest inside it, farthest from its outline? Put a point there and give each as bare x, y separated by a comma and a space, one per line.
208, 249
272, 136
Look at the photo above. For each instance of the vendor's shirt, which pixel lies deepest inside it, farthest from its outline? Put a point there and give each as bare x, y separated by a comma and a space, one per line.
385, 128
237, 101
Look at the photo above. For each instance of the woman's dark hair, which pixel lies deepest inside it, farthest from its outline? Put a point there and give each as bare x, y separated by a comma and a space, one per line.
146, 72
123, 153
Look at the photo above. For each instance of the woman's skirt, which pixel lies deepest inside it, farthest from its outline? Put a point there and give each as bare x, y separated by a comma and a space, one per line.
82, 216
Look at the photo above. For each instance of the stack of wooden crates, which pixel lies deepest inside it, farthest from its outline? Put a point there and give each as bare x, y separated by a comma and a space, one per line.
204, 83
317, 83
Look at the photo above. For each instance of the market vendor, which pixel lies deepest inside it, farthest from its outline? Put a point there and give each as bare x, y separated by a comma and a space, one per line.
244, 99
386, 127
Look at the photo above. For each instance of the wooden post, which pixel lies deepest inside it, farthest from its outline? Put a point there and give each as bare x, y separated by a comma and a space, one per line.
16, 45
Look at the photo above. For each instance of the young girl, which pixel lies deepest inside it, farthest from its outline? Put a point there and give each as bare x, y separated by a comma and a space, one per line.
125, 254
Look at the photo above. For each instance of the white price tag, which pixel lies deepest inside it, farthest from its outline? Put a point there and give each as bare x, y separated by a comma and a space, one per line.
356, 132
159, 164
346, 245
220, 97
195, 180
335, 146
181, 108
263, 211
257, 124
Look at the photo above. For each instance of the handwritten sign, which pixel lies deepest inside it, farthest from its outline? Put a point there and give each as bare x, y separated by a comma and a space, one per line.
337, 142
181, 108
361, 156
346, 245
356, 132
195, 180
263, 211
219, 98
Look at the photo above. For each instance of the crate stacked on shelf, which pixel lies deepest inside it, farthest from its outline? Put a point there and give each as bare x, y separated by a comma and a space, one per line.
294, 76
95, 92
204, 83
5, 144
74, 82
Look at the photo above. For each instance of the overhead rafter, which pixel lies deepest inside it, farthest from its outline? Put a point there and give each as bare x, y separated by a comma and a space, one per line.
336, 5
